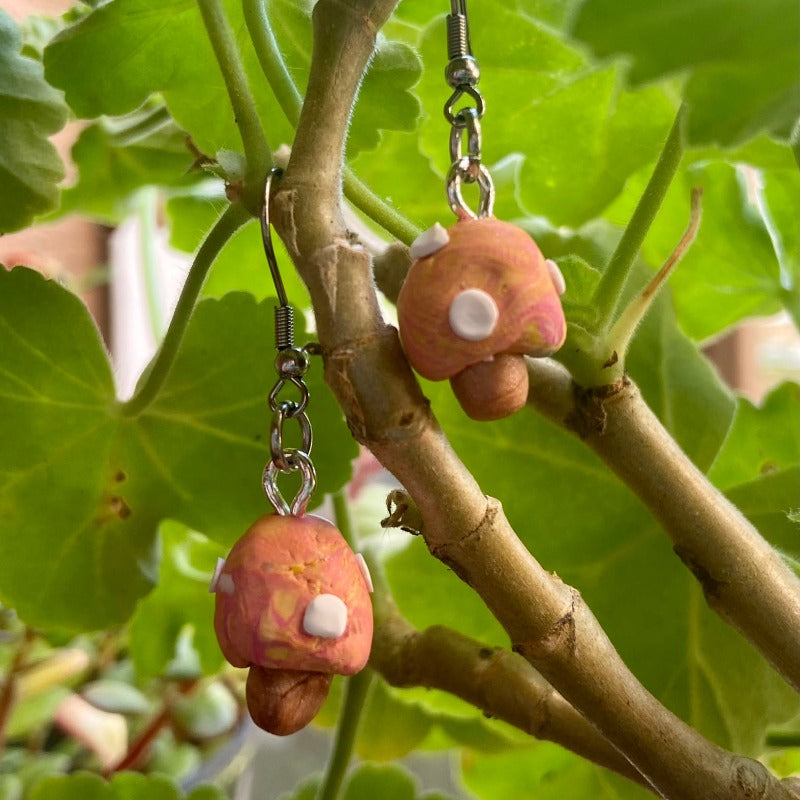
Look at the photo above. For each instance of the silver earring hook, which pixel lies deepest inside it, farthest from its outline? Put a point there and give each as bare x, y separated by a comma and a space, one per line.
266, 236
291, 364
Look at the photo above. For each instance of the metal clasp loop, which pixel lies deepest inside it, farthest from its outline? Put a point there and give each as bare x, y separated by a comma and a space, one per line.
297, 461
453, 116
288, 410
462, 171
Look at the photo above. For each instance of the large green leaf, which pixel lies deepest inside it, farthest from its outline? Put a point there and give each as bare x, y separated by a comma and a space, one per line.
143, 49
580, 133
30, 111
123, 786
742, 58
84, 486
731, 270
759, 465
763, 440
112, 163
581, 522
384, 100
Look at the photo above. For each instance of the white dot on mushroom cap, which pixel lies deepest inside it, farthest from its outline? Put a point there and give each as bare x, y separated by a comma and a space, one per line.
556, 276
225, 584
325, 616
362, 564
429, 242
215, 577
473, 315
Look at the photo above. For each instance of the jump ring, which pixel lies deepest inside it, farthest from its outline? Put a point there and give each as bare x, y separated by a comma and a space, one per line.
459, 171
452, 116
286, 410
297, 460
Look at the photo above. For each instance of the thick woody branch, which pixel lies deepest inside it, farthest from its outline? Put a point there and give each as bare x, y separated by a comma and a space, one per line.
500, 683
546, 620
743, 578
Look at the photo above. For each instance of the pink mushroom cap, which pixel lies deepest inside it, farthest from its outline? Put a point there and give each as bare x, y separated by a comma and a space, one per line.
269, 579
499, 259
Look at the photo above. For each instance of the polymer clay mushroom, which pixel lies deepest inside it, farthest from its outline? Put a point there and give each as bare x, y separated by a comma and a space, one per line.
292, 604
478, 297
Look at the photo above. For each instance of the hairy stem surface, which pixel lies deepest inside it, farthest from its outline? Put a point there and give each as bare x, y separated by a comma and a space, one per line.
256, 149
291, 103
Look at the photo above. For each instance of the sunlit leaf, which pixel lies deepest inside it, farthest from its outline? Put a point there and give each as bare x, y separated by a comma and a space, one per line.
84, 555
112, 166
143, 50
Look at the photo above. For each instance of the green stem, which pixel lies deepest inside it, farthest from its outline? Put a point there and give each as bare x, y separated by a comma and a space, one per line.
615, 276
272, 63
344, 522
619, 336
390, 219
791, 302
354, 696
794, 142
291, 103
231, 220
256, 148
157, 119
147, 209
783, 739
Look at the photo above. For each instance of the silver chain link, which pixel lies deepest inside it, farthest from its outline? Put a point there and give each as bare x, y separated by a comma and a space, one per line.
462, 75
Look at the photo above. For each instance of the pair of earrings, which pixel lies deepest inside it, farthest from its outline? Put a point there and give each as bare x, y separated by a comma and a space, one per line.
292, 599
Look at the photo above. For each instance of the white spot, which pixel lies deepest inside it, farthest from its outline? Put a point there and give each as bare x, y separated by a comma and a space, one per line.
365, 571
225, 584
429, 242
556, 276
215, 577
473, 315
326, 616
281, 156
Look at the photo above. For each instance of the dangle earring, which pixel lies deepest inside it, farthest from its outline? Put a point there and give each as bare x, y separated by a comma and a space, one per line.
479, 295
292, 599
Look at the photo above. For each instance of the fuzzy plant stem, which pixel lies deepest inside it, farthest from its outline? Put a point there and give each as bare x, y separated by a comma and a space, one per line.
231, 220
256, 149
291, 103
743, 578
615, 275
547, 621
